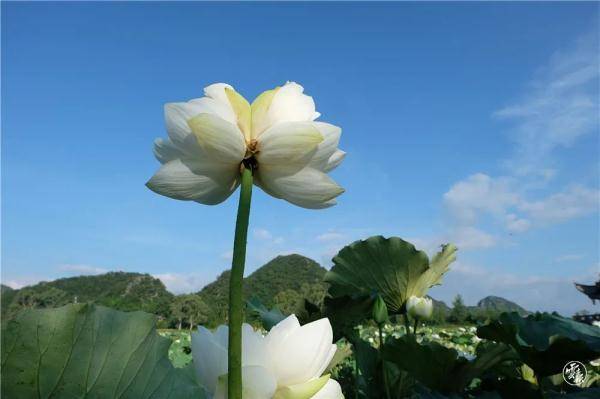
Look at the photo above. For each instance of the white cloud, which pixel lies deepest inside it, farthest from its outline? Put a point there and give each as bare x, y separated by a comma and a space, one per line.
262, 234
180, 283
330, 236
23, 281
227, 255
559, 106
484, 200
575, 201
515, 224
569, 258
479, 194
266, 235
471, 238
82, 269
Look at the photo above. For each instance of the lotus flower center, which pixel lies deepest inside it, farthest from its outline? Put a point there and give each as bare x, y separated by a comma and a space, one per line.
251, 148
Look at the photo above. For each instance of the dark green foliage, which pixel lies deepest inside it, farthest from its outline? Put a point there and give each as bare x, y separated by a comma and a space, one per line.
290, 272
289, 279
441, 368
459, 311
118, 290
545, 342
189, 309
89, 351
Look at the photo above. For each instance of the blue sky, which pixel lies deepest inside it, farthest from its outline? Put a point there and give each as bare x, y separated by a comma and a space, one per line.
464, 122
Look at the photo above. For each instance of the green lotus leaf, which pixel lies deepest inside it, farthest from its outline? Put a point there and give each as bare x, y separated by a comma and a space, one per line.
89, 351
345, 313
441, 368
545, 342
390, 267
269, 318
369, 383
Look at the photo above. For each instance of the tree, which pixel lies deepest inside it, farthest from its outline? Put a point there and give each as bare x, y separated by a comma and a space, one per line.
197, 312
178, 309
288, 301
459, 311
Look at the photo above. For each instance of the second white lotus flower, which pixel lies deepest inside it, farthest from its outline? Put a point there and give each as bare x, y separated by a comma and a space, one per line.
212, 137
419, 307
287, 363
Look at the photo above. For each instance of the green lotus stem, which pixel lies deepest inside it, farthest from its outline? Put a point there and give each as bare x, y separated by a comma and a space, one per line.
236, 314
416, 325
385, 376
406, 323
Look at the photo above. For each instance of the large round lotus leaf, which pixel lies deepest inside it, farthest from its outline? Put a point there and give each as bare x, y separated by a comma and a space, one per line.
545, 342
390, 267
88, 351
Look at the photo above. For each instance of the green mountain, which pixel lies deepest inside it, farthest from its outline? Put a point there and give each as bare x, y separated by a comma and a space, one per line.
498, 305
289, 272
285, 280
5, 288
119, 290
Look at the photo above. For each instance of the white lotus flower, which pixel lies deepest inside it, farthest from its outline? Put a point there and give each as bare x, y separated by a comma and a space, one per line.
212, 137
288, 363
419, 307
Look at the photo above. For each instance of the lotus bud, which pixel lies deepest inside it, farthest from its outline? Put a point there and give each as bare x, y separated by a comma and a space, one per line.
419, 307
380, 312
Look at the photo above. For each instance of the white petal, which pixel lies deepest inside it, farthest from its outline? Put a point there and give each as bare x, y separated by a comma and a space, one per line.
291, 105
301, 354
334, 160
178, 114
254, 352
304, 390
201, 181
307, 188
257, 383
219, 139
165, 151
275, 339
288, 143
210, 358
216, 91
331, 390
208, 105
221, 335
328, 146
176, 117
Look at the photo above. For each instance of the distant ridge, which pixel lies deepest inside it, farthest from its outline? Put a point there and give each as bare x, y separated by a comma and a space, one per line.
119, 290
284, 281
499, 304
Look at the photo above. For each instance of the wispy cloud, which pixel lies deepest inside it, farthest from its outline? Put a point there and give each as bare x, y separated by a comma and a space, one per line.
573, 202
183, 283
480, 199
559, 106
82, 269
23, 281
330, 236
